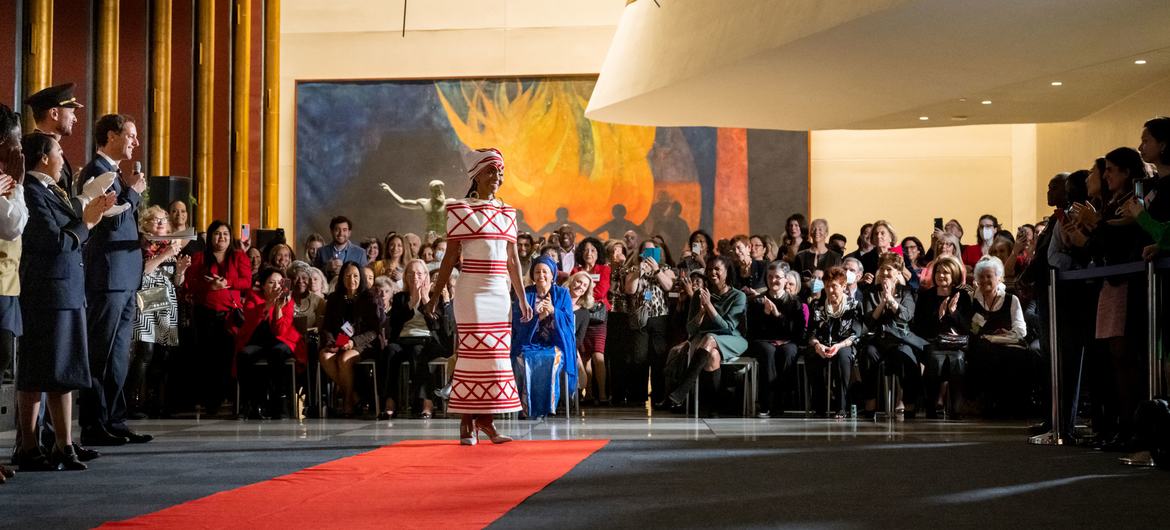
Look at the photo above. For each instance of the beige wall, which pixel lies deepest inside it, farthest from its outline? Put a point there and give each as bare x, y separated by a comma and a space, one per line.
910, 176
362, 39
906, 176
1074, 145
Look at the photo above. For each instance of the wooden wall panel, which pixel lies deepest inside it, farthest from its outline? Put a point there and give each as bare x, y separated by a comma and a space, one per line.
256, 115
72, 53
182, 87
134, 70
10, 50
221, 183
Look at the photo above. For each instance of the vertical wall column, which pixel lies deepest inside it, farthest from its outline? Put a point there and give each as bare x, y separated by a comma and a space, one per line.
205, 120
241, 92
106, 91
38, 60
160, 77
270, 205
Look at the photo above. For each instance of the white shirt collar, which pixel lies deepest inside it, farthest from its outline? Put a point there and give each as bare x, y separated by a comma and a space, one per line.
43, 178
108, 159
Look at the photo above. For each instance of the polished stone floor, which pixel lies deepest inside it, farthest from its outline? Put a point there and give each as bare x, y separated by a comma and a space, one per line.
606, 423
784, 460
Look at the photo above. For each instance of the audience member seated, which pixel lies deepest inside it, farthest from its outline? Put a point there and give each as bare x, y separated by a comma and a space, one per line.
988, 227
545, 347
331, 257
883, 238
713, 323
775, 327
999, 366
313, 243
864, 242
813, 262
834, 330
372, 248
945, 244
351, 330
942, 317
590, 258
216, 281
418, 338
156, 331
749, 275
280, 257
794, 239
699, 248
855, 279
915, 255
255, 260
888, 307
648, 286
268, 335
393, 261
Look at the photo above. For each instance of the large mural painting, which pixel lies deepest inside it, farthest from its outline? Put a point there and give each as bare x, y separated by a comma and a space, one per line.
561, 167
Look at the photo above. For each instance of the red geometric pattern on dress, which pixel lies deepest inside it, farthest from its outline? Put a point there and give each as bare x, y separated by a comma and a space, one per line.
484, 266
493, 393
463, 229
487, 341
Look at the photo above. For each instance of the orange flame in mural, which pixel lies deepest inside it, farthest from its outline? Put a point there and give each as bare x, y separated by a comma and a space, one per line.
554, 156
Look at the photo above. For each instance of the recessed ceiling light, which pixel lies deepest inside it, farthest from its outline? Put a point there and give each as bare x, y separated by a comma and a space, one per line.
962, 100
1057, 83
924, 118
987, 102
1140, 61
958, 118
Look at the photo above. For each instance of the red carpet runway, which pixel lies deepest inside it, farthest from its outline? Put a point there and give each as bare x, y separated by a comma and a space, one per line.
414, 484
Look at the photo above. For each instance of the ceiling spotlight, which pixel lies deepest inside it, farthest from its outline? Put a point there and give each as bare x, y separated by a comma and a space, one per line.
958, 118
987, 102
1140, 61
924, 118
1057, 83
962, 100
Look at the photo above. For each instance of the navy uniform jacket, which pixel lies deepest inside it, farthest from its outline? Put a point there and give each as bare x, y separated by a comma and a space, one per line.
113, 256
51, 270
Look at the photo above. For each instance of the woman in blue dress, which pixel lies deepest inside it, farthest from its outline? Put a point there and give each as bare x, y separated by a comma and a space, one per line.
545, 346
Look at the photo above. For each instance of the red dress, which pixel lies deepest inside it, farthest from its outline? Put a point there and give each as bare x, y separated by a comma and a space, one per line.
594, 341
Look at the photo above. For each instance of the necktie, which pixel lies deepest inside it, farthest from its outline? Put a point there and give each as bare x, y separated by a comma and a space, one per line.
60, 193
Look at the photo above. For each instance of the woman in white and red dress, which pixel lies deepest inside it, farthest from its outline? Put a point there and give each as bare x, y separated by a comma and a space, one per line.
481, 233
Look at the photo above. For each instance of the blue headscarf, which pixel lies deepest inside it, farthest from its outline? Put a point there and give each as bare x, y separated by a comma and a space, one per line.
551, 263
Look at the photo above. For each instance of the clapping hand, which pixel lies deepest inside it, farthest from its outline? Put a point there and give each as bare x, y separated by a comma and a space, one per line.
182, 263
1131, 209
867, 278
770, 307
94, 209
7, 184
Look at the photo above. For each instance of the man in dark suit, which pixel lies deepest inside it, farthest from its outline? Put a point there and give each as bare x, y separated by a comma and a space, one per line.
54, 113
113, 267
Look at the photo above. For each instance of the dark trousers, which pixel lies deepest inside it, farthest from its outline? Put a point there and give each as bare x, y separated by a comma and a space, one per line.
653, 340
260, 384
944, 365
623, 358
899, 359
111, 316
212, 356
418, 351
817, 366
147, 382
776, 362
7, 351
1002, 375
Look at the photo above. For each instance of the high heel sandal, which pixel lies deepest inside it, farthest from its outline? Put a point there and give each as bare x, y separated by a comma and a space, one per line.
490, 430
467, 434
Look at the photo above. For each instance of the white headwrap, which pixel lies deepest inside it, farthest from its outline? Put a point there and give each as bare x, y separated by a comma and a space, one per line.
476, 160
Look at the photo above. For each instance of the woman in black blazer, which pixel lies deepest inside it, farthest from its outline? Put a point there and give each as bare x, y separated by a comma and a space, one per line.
416, 337
53, 355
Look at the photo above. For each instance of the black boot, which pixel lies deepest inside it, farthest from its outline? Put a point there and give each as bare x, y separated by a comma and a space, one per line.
711, 388
699, 361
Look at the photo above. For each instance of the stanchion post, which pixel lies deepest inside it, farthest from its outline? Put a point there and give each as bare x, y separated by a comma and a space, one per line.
1152, 331
1052, 437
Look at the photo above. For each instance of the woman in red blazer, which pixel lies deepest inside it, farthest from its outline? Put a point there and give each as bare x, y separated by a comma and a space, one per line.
216, 280
268, 334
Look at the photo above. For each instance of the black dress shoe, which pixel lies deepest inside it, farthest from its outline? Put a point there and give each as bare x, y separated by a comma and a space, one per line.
102, 438
85, 454
33, 461
65, 459
131, 436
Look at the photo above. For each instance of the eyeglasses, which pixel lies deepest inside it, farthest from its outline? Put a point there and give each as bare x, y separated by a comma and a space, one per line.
159, 220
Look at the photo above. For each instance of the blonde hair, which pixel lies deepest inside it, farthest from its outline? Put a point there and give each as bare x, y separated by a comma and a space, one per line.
882, 223
146, 220
407, 279
587, 298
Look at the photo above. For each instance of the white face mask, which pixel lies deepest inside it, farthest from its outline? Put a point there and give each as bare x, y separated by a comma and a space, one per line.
987, 232
439, 254
850, 278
